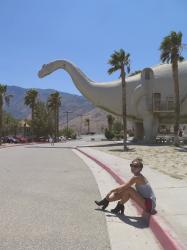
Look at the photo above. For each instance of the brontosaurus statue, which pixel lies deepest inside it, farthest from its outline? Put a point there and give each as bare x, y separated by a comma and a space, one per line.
149, 94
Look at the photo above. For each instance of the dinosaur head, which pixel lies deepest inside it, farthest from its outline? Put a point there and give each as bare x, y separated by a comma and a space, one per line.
44, 71
50, 67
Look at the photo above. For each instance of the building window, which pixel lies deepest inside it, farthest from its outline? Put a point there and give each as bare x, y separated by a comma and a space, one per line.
147, 74
156, 98
170, 103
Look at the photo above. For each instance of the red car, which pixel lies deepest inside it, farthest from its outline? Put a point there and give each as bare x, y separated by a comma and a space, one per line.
22, 139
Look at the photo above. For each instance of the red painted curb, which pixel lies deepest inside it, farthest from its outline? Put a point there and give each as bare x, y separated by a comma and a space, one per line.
164, 237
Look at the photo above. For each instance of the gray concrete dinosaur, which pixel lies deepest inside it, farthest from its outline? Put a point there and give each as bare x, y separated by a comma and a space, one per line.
150, 95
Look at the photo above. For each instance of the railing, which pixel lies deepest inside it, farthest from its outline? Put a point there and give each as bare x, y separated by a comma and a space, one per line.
165, 106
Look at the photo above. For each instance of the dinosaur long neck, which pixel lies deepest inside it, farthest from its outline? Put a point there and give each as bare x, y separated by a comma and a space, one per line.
82, 82
101, 94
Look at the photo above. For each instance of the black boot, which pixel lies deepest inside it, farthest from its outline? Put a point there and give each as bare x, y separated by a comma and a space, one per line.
118, 209
104, 203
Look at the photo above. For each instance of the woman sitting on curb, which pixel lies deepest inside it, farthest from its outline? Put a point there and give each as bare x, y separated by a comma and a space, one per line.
142, 194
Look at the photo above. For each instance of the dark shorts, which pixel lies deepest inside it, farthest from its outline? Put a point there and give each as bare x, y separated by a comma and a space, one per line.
148, 205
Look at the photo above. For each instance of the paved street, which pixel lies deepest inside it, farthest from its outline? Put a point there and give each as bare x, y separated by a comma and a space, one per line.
45, 201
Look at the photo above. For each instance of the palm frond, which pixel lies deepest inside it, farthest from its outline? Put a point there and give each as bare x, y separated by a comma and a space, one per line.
54, 101
181, 58
31, 97
165, 56
128, 69
171, 47
3, 89
7, 99
118, 60
113, 69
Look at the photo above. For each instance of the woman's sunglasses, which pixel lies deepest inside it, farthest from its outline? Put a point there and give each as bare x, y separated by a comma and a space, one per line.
134, 166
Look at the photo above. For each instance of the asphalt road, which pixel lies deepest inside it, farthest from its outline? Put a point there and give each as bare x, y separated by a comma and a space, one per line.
46, 201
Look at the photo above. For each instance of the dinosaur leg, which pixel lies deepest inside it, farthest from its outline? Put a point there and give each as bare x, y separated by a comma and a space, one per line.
138, 130
150, 128
155, 127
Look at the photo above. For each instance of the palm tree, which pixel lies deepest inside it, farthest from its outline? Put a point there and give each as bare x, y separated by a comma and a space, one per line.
3, 98
120, 60
54, 103
31, 101
110, 120
171, 53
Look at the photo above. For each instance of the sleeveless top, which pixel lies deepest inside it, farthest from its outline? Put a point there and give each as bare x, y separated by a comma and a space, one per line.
145, 190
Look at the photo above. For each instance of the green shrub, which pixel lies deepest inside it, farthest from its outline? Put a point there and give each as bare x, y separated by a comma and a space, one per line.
118, 136
69, 133
109, 134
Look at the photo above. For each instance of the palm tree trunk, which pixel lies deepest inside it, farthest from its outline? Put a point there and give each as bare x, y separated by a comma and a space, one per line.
177, 99
57, 122
124, 109
1, 117
32, 124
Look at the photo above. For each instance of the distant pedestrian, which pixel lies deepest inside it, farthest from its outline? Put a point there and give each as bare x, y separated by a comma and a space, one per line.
54, 140
51, 141
142, 193
180, 132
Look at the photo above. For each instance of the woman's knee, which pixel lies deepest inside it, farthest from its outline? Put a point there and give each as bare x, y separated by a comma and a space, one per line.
114, 196
127, 192
130, 190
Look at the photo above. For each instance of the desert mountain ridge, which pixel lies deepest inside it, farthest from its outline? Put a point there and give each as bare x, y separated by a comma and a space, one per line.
80, 109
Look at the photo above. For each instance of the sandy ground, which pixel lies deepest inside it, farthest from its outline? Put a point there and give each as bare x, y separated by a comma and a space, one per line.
166, 159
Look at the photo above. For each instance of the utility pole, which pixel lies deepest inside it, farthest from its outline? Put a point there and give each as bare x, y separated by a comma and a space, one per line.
67, 113
81, 119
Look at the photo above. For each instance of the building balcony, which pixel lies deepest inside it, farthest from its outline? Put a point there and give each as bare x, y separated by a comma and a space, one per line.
159, 105
163, 107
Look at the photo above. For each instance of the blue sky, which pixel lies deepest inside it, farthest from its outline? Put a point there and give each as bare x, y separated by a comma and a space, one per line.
34, 32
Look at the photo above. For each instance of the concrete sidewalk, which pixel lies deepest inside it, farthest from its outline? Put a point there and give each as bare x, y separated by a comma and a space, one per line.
125, 232
171, 196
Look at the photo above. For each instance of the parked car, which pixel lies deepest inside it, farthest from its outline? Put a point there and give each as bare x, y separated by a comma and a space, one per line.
22, 139
62, 138
10, 139
41, 139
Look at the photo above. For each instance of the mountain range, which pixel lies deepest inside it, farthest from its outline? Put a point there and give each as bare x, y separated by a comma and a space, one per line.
78, 107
